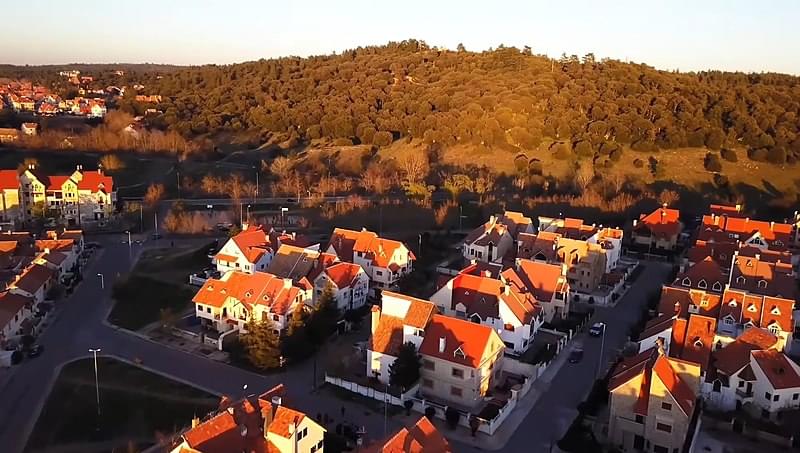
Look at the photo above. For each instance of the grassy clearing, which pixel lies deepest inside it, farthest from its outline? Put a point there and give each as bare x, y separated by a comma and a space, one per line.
139, 300
172, 265
137, 408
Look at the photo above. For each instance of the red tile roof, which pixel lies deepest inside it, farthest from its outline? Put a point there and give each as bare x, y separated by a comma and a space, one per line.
379, 250
644, 366
696, 342
721, 252
663, 223
465, 342
10, 305
677, 301
64, 245
419, 311
33, 278
253, 242
706, 275
541, 279
423, 437
343, 275
388, 335
736, 355
657, 325
259, 288
778, 369
760, 277
9, 180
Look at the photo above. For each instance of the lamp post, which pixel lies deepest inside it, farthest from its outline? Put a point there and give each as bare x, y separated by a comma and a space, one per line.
283, 210
141, 216
248, 213
96, 381
420, 244
102, 281
130, 250
602, 345
256, 193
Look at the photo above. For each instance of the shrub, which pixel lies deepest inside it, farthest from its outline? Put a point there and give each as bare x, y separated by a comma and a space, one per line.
382, 138
712, 163
451, 416
342, 142
729, 155
430, 412
535, 167
616, 155
638, 163
776, 155
758, 155
561, 151
720, 180
584, 149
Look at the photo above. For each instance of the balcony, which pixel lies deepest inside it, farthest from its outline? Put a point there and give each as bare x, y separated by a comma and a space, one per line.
744, 393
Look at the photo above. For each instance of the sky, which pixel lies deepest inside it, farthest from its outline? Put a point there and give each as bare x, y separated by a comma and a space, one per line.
733, 35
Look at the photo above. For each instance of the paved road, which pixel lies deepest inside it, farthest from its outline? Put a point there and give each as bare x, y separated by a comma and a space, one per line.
78, 326
557, 408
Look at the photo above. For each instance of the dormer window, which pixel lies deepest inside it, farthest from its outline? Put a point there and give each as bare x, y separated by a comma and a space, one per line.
717, 286
752, 308
459, 353
775, 311
702, 284
749, 263
732, 303
740, 280
779, 243
698, 343
248, 294
686, 282
774, 328
762, 283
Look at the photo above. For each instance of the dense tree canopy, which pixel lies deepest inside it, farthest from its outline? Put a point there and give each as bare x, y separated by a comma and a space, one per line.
499, 97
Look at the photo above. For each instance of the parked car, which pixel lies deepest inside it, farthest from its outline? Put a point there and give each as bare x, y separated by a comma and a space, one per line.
597, 329
576, 355
35, 350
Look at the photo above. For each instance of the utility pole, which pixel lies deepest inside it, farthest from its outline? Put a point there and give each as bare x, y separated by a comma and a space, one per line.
96, 381
386, 412
141, 216
256, 197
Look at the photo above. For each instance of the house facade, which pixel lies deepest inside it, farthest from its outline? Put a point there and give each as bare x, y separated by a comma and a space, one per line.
228, 303
14, 310
349, 282
384, 260
658, 230
76, 197
493, 240
11, 209
460, 359
505, 304
652, 402
249, 251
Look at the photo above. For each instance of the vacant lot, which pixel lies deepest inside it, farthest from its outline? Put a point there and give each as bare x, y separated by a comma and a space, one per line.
137, 408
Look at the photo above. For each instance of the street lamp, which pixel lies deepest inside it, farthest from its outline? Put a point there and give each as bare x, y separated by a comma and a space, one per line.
256, 169
248, 213
602, 345
102, 281
129, 243
283, 210
96, 382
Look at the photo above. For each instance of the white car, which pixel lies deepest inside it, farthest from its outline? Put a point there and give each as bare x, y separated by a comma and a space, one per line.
597, 329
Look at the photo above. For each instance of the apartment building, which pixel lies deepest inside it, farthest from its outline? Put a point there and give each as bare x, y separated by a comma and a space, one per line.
80, 196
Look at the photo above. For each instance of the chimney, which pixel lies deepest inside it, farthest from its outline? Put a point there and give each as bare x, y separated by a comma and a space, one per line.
506, 289
195, 422
634, 223
99, 169
564, 269
245, 226
487, 273
738, 208
376, 317
276, 400
441, 345
664, 206
46, 250
660, 346
287, 283
772, 226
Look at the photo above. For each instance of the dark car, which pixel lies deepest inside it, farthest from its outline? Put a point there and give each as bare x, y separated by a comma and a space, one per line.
576, 355
156, 236
35, 351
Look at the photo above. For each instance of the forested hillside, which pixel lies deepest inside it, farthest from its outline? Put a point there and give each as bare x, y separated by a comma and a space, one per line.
506, 98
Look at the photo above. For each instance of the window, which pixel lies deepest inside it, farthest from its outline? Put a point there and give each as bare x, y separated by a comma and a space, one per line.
208, 309
660, 449
638, 442
762, 283
795, 396
686, 282
741, 384
664, 427
457, 372
276, 318
456, 391
378, 273
702, 284
639, 418
428, 365
427, 383
767, 396
717, 286
666, 406
775, 397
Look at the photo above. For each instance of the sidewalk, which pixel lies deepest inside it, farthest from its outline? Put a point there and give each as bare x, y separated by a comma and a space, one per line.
503, 434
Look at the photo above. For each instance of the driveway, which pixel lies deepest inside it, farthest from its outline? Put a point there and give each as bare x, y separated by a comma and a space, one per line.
555, 410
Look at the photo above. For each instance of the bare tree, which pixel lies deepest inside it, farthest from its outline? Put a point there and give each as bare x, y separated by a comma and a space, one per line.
280, 166
154, 194
415, 167
668, 197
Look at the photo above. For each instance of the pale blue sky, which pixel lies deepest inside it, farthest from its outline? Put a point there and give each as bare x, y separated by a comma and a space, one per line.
677, 34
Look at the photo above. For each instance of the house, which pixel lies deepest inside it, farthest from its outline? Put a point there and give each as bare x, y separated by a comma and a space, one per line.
349, 282
9, 196
706, 275
47, 109
384, 260
300, 264
567, 227
505, 304
248, 251
228, 303
79, 196
491, 241
756, 233
657, 332
549, 285
652, 402
8, 135
585, 262
610, 242
29, 128
423, 437
658, 230
730, 381
14, 309
253, 424
34, 282
461, 360
693, 340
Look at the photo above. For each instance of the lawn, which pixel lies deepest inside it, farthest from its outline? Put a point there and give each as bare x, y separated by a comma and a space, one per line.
137, 408
173, 265
139, 300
